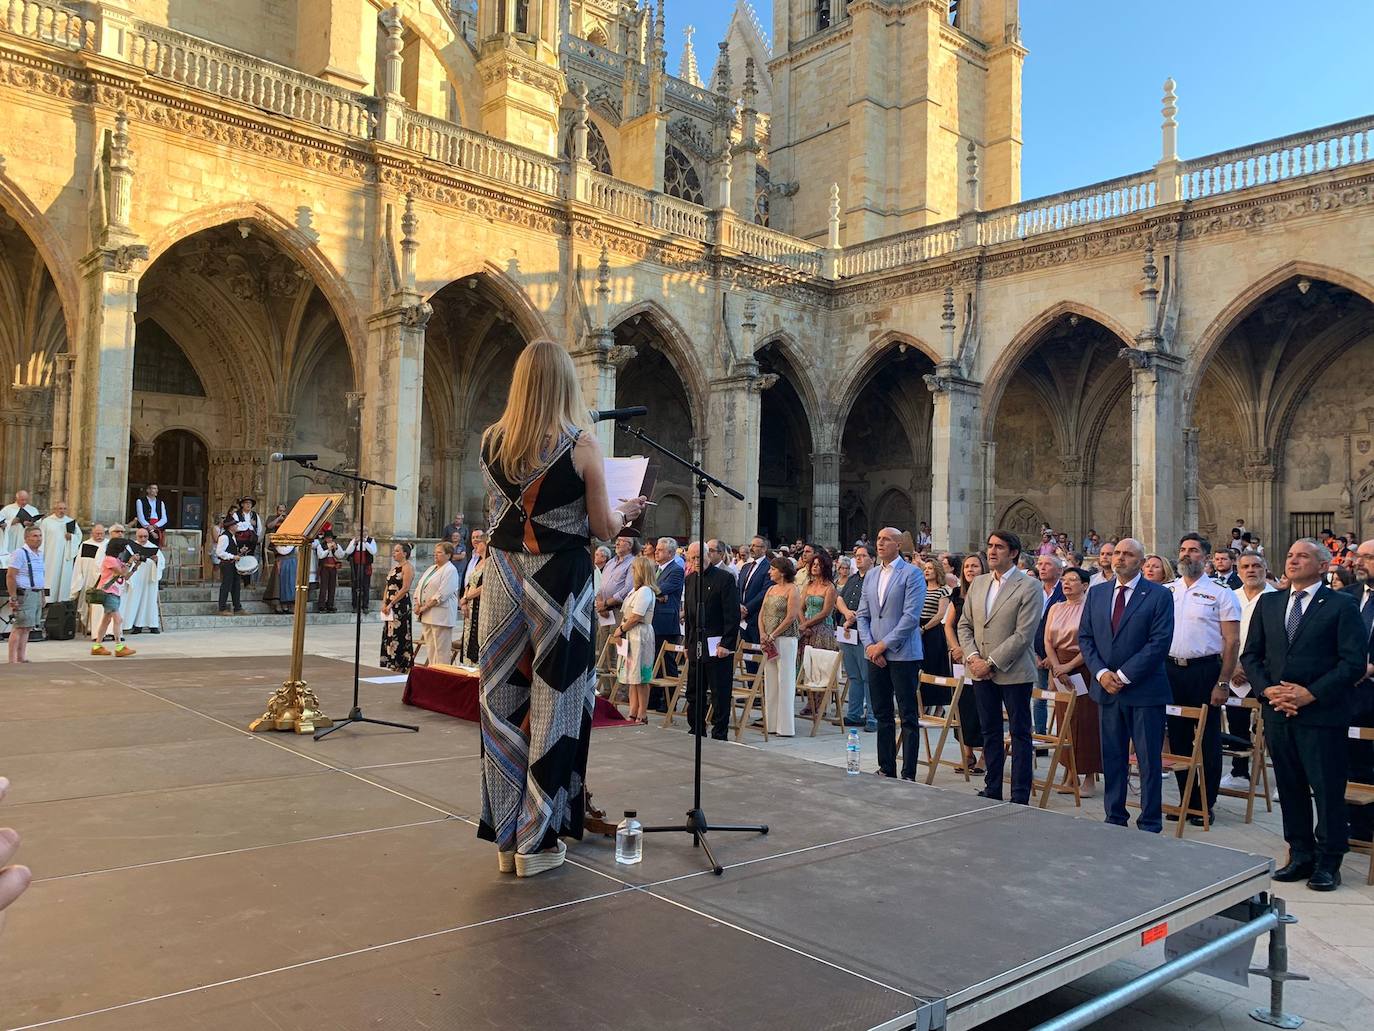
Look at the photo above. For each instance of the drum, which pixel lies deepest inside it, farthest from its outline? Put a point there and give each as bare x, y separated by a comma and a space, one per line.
247, 565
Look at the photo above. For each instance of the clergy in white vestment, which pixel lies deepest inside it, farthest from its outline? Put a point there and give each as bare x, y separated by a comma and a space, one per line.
13, 518
61, 542
139, 608
85, 576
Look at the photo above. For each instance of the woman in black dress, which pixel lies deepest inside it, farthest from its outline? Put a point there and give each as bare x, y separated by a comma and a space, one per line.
934, 653
546, 488
398, 652
970, 729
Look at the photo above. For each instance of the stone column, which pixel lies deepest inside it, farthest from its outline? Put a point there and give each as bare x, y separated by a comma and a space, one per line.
280, 427
1261, 472
61, 427
825, 497
732, 449
1192, 515
454, 458
988, 477
1078, 505
956, 486
1156, 443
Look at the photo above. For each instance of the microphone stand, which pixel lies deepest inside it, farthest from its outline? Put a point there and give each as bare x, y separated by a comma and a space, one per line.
696, 824
355, 714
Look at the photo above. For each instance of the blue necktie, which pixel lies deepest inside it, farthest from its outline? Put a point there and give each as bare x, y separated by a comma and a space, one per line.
1294, 617
1367, 611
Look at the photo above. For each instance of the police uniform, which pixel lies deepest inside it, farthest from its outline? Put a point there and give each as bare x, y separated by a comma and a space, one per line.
1194, 669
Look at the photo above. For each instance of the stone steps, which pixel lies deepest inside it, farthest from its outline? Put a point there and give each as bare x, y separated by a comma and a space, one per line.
207, 620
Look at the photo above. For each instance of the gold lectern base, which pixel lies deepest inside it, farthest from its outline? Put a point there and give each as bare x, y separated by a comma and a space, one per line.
293, 706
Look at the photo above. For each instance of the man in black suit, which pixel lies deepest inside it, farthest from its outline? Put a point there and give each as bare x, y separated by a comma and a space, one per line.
1304, 652
753, 585
721, 621
1362, 706
667, 611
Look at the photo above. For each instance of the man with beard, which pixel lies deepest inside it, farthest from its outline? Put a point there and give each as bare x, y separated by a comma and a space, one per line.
1202, 659
1253, 584
1104, 564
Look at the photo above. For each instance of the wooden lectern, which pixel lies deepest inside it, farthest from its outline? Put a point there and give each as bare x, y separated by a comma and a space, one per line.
293, 706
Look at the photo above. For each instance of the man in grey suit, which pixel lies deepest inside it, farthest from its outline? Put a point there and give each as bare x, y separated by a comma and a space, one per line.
889, 619
996, 632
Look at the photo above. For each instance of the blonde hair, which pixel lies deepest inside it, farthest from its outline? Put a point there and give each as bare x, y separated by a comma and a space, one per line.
1169, 572
642, 572
545, 398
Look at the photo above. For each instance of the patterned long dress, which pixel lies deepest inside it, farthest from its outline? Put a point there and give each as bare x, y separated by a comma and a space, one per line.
537, 637
398, 651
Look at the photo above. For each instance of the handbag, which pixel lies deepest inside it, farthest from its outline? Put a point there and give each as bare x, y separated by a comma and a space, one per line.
96, 595
770, 650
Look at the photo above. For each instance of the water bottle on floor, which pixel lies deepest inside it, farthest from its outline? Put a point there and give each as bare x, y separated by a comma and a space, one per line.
629, 839
851, 750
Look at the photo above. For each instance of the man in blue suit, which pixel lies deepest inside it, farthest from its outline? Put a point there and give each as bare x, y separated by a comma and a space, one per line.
672, 575
753, 585
889, 619
1125, 634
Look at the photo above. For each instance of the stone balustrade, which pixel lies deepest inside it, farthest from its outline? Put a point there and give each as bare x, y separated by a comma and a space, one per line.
1096, 203
451, 144
1288, 157
205, 66
771, 245
908, 248
37, 19
648, 208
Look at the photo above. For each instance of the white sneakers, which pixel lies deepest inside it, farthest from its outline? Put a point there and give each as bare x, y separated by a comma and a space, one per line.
1233, 783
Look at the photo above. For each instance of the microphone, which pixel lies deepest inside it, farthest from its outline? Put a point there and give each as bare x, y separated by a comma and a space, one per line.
616, 414
277, 456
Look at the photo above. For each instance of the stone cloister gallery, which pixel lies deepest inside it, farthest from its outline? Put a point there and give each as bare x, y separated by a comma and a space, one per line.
233, 227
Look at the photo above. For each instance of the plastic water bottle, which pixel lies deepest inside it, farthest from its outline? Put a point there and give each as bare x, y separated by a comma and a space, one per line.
629, 839
851, 749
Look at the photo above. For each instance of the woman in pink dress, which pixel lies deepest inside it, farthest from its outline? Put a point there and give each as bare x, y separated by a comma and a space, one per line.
1061, 648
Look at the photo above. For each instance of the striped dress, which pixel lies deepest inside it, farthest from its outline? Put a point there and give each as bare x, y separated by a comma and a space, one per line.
536, 642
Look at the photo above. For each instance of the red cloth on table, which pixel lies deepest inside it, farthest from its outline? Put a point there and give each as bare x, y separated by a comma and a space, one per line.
454, 692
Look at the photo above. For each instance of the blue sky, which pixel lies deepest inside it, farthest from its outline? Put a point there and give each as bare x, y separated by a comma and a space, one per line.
1247, 70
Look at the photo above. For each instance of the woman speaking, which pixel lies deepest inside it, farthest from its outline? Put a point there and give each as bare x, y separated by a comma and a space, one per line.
546, 489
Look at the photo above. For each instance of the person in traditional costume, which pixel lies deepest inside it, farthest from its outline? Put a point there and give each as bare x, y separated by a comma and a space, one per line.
248, 532
272, 580
84, 576
61, 541
140, 608
14, 519
150, 512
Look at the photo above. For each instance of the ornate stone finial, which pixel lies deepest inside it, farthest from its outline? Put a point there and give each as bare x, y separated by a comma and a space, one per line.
119, 140
603, 288
973, 195
660, 41
119, 175
1149, 291
751, 89
1170, 110
723, 81
687, 67
749, 320
1149, 270
579, 123
947, 312
410, 221
410, 244
833, 236
391, 22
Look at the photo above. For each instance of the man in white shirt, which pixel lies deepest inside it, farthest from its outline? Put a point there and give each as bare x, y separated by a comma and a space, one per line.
14, 519
1202, 659
1254, 582
150, 512
1104, 564
26, 585
615, 585
361, 556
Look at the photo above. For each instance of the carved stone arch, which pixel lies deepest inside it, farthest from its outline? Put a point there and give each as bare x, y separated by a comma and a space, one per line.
1234, 313
895, 508
800, 365
598, 36
674, 517
1295, 386
314, 330
1022, 518
452, 52
678, 350
506, 289
1024, 343
852, 381
50, 246
294, 242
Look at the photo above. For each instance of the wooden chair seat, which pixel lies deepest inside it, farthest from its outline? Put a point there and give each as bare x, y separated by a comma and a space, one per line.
746, 690
948, 725
674, 687
1192, 763
1361, 794
1258, 755
819, 682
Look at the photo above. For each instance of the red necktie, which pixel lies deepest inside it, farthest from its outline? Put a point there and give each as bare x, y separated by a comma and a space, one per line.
1119, 607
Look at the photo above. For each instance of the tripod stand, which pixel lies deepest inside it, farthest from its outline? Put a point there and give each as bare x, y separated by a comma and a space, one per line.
696, 824
360, 485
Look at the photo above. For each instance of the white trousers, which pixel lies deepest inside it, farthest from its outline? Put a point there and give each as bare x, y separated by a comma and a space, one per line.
437, 641
780, 688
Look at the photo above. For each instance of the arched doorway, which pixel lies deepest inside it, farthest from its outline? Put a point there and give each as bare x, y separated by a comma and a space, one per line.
237, 346
651, 379
1062, 427
179, 463
471, 344
885, 445
786, 483
1285, 414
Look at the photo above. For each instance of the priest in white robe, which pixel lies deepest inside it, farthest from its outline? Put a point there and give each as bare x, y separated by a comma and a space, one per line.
61, 542
13, 518
139, 607
84, 576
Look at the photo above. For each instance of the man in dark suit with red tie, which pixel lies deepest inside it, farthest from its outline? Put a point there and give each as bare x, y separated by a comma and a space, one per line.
1305, 650
1125, 633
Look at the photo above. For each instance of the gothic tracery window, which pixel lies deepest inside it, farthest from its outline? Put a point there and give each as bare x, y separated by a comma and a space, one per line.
160, 365
597, 152
761, 184
680, 178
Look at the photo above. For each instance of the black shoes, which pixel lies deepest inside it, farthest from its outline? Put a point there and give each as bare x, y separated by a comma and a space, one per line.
1324, 880
1295, 870
853, 723
993, 798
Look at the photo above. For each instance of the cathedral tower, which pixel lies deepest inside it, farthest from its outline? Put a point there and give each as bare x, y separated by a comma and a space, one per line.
522, 85
883, 97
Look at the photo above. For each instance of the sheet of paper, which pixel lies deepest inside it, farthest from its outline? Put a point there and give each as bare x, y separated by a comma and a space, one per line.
399, 678
958, 671
850, 636
1242, 691
624, 478
607, 620
743, 624
622, 649
712, 643
1080, 685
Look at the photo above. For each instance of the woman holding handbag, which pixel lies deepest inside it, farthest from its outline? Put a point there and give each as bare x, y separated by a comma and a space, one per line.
778, 631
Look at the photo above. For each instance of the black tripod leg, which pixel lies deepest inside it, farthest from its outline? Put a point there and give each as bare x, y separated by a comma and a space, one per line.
748, 828
699, 838
386, 723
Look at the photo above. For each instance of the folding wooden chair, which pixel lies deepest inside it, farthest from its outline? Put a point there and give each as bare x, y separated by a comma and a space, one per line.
819, 682
605, 671
1059, 742
746, 690
1359, 794
948, 723
1257, 753
1192, 762
675, 687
